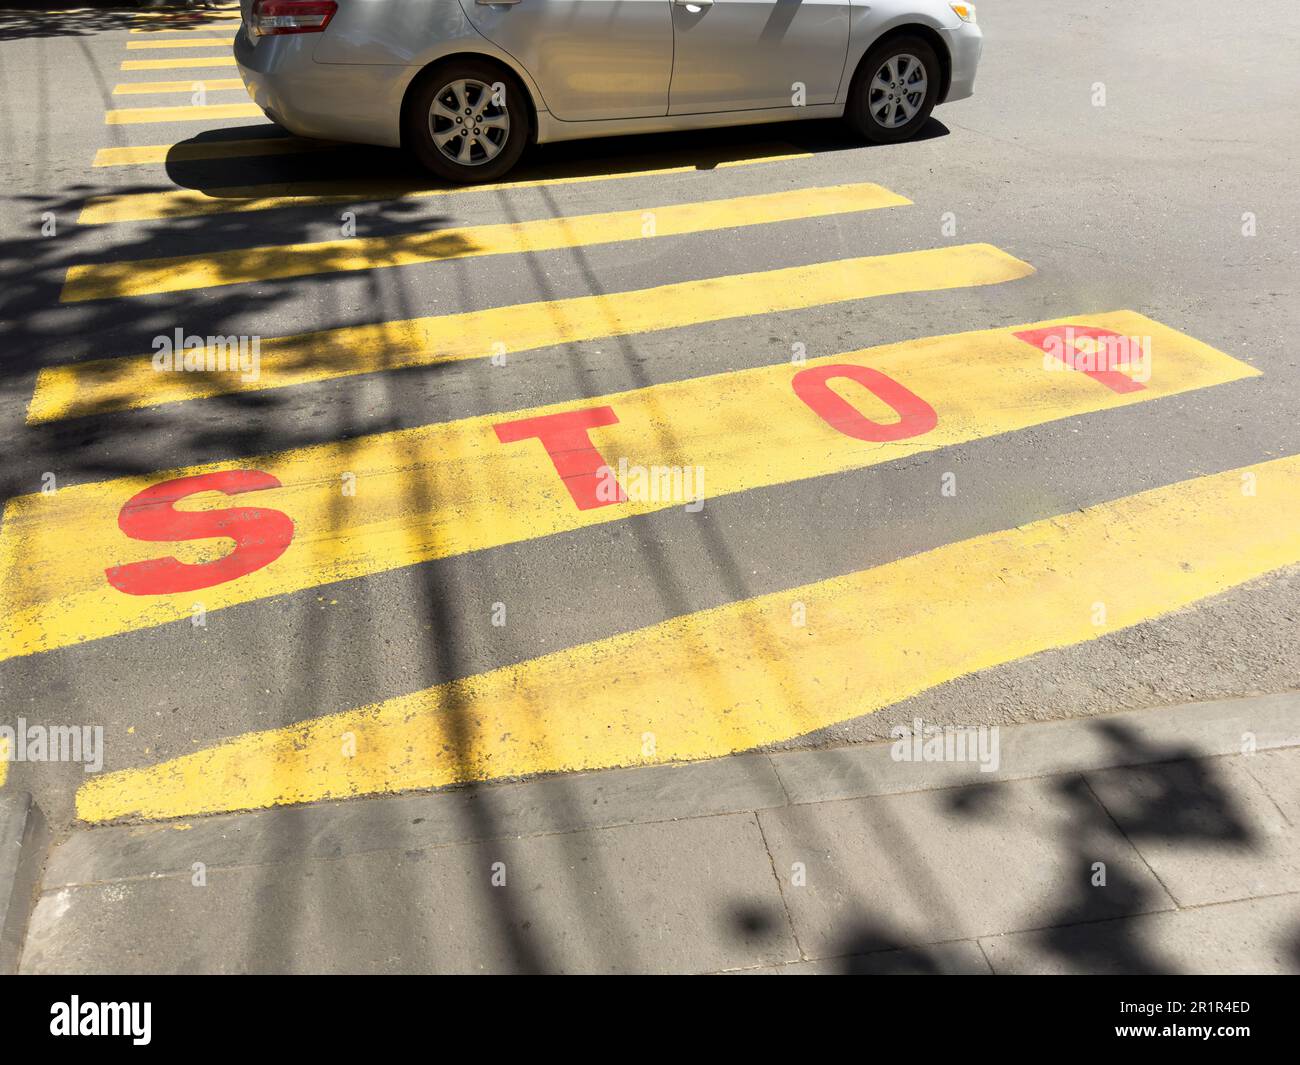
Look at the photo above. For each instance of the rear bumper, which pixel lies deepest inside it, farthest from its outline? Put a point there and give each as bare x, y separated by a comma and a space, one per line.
361, 103
965, 44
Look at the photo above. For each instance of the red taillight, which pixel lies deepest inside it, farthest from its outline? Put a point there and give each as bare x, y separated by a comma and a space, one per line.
271, 17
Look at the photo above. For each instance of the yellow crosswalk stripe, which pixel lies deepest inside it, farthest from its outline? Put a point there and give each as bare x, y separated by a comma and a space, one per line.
179, 62
743, 675
213, 28
126, 116
746, 429
188, 203
144, 277
217, 13
119, 384
145, 88
189, 42
196, 151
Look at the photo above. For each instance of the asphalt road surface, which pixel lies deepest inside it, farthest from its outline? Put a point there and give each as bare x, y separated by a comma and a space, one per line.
428, 601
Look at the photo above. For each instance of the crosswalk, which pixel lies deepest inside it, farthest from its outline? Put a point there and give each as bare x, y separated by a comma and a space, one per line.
185, 42
123, 555
749, 429
742, 675
148, 88
151, 21
179, 62
131, 116
280, 262
213, 24
189, 203
194, 152
132, 382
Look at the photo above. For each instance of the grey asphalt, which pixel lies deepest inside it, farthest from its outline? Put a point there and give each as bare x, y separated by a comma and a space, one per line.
1137, 204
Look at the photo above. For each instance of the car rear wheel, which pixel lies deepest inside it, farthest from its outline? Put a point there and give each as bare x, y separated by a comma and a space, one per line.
469, 122
896, 88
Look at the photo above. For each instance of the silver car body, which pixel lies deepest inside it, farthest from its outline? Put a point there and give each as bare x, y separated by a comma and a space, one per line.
593, 68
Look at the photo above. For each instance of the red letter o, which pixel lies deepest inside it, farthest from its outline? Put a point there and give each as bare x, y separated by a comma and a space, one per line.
915, 415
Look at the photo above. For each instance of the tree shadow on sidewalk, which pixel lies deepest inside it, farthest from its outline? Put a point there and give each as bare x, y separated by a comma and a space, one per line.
1103, 891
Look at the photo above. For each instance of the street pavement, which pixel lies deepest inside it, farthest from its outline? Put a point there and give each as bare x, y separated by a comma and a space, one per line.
1140, 842
906, 505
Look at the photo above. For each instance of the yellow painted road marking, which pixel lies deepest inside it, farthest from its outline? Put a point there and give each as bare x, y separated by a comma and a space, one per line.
193, 151
145, 88
196, 27
126, 116
187, 203
179, 62
190, 42
143, 277
4, 760
216, 11
445, 489
229, 11
118, 384
741, 676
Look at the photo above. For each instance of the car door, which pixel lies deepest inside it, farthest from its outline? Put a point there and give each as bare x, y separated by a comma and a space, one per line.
590, 59
737, 55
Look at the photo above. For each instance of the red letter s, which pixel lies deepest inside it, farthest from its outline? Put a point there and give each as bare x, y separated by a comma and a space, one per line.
260, 535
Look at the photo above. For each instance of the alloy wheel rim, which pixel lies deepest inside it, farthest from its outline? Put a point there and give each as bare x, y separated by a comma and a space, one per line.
897, 91
468, 124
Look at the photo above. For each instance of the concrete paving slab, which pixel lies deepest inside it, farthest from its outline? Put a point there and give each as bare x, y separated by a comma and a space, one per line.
1250, 936
960, 958
24, 840
685, 896
1043, 748
334, 830
1278, 773
1208, 829
894, 871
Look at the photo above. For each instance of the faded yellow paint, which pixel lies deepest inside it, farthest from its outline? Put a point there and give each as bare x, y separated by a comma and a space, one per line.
179, 62
194, 151
129, 116
188, 27
4, 760
118, 384
742, 675
445, 489
148, 88
189, 42
143, 277
188, 203
185, 17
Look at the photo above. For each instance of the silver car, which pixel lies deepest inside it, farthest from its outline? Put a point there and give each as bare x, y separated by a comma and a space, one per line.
467, 84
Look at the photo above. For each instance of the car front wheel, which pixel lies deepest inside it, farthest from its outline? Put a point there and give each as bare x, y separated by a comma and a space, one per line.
895, 89
469, 122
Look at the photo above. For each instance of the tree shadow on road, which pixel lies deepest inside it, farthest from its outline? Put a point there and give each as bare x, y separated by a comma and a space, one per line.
28, 20
44, 329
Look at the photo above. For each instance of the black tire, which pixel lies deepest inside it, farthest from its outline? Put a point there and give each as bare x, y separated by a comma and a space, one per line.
868, 103
423, 126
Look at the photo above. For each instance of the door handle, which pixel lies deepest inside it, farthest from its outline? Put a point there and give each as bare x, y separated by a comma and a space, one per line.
693, 3
493, 3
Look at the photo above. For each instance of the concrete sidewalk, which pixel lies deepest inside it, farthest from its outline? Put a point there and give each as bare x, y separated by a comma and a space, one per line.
1148, 841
